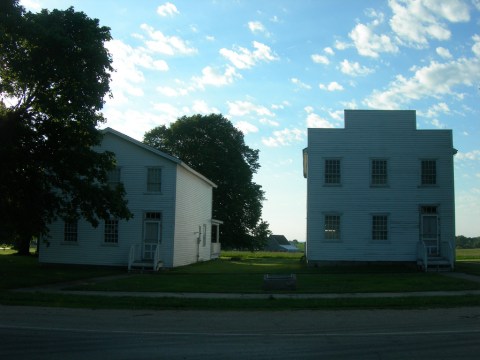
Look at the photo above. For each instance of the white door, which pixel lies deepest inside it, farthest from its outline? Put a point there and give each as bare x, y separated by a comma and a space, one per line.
151, 239
430, 233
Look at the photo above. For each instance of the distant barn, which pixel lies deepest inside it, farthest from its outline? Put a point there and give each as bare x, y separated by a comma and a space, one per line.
280, 243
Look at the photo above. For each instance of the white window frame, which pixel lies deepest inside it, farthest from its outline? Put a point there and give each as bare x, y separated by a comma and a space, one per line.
70, 232
111, 231
154, 185
332, 233
332, 178
375, 173
426, 174
114, 177
378, 229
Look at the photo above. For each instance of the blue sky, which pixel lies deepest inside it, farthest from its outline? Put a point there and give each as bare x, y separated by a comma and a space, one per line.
275, 68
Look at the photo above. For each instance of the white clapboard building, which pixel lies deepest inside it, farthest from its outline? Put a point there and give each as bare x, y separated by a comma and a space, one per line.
380, 190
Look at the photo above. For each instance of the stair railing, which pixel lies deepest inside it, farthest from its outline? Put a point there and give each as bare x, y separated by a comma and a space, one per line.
422, 254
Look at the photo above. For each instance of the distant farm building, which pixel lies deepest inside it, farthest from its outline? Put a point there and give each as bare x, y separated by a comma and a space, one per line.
280, 243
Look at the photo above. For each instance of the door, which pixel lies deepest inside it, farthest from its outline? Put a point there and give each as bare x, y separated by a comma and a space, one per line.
430, 233
151, 234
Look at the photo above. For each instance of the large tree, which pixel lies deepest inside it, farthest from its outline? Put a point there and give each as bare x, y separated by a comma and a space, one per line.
212, 146
54, 75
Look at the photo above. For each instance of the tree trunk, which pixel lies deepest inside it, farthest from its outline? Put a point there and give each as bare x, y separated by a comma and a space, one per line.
23, 246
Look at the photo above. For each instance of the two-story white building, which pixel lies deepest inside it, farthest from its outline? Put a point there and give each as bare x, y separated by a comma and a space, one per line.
172, 215
380, 190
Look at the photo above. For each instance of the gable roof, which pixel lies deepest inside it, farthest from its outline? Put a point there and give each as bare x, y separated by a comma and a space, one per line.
162, 154
280, 239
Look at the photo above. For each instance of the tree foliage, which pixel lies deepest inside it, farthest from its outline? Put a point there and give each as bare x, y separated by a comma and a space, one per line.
54, 75
212, 146
463, 242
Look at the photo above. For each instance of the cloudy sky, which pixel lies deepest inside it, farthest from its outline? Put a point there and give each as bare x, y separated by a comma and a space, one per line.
278, 67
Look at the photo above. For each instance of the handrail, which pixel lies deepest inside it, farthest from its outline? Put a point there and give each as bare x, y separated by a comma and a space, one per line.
156, 258
449, 252
422, 254
131, 257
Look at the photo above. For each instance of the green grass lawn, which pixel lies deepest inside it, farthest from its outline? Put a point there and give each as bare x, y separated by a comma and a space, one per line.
236, 272
468, 254
25, 271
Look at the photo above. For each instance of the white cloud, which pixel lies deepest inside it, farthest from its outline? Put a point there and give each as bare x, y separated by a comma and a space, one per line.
284, 137
32, 5
370, 44
308, 109
341, 45
434, 80
316, 121
210, 76
443, 52
127, 62
243, 58
256, 27
242, 108
378, 17
269, 122
333, 86
167, 9
435, 110
320, 59
134, 122
164, 44
336, 115
329, 51
438, 124
282, 105
476, 46
354, 68
246, 127
349, 104
201, 107
172, 92
473, 155
210, 37
416, 21
300, 84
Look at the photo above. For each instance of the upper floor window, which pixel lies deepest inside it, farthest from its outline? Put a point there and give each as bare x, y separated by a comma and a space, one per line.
111, 231
113, 177
429, 172
380, 227
154, 179
70, 233
332, 227
332, 172
379, 172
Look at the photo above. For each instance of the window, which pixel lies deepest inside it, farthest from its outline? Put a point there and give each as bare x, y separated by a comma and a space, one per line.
332, 172
429, 172
380, 227
111, 231
428, 209
153, 216
379, 173
332, 227
154, 179
71, 231
113, 177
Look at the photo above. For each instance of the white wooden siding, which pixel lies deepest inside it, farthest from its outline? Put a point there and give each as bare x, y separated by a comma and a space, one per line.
390, 135
194, 210
90, 248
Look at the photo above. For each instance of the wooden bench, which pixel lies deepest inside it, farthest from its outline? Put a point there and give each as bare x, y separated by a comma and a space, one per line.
279, 282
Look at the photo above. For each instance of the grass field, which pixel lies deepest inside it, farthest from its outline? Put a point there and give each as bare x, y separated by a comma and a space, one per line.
468, 254
236, 272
